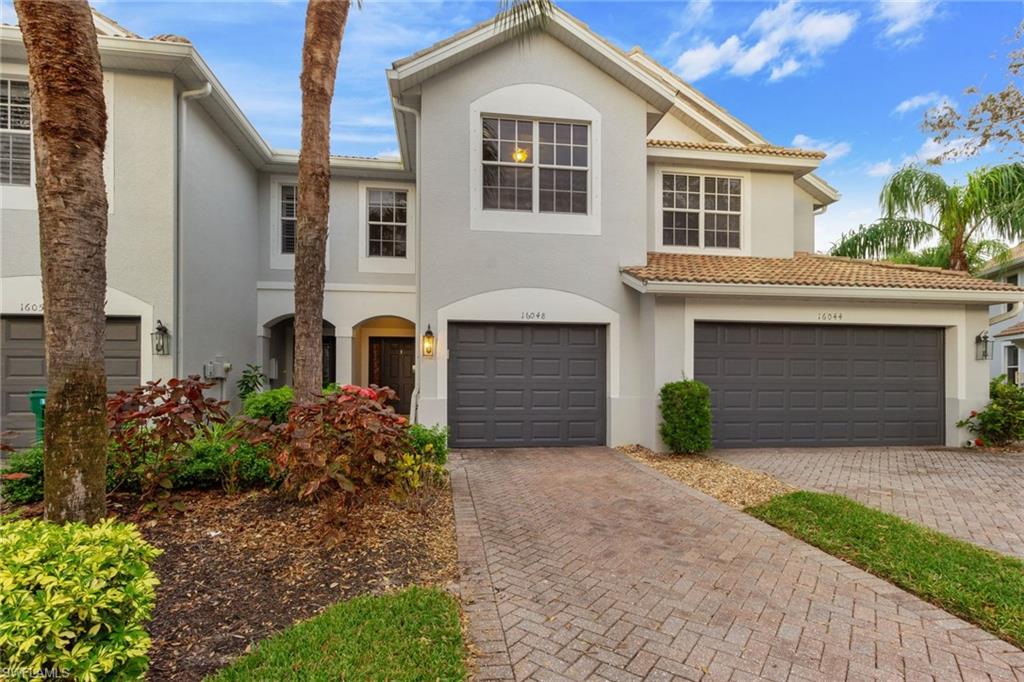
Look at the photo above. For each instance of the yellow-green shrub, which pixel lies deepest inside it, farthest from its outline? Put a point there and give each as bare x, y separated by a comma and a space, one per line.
74, 599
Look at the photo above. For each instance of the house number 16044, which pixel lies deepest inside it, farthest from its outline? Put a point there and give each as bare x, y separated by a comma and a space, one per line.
830, 317
533, 316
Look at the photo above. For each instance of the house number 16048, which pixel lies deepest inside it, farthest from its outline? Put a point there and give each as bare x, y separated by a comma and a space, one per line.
533, 316
830, 317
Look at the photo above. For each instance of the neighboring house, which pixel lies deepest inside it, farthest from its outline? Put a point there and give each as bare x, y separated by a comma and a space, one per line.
1007, 320
574, 224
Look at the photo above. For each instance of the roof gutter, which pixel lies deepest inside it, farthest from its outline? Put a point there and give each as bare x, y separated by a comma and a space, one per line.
895, 294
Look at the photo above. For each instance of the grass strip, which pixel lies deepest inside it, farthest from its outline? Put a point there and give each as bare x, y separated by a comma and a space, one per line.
978, 585
414, 634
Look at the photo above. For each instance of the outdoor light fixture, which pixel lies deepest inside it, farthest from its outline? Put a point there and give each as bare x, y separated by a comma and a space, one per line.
161, 339
520, 155
428, 343
982, 346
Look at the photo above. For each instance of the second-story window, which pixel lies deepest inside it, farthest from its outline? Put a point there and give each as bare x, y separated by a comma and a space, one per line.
289, 201
535, 165
15, 134
701, 210
387, 222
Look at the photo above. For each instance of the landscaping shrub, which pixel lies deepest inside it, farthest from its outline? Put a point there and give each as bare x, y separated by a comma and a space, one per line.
273, 404
686, 416
430, 441
339, 445
151, 426
74, 599
219, 458
1002, 420
250, 382
18, 489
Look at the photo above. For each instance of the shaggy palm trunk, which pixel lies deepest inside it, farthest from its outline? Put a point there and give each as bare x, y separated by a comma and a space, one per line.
958, 254
69, 129
325, 25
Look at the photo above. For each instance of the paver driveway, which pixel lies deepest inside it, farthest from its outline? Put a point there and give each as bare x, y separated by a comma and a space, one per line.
581, 564
978, 497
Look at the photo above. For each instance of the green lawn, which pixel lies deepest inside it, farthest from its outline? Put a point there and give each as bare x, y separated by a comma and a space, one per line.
980, 586
415, 634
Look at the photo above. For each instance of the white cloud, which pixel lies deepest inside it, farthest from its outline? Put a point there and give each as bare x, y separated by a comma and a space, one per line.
775, 39
925, 101
389, 154
881, 169
904, 19
930, 149
698, 11
834, 150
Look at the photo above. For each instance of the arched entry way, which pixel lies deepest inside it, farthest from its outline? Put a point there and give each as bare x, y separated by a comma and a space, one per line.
384, 354
281, 364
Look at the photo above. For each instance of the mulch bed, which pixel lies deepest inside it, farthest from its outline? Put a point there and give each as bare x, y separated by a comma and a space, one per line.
737, 487
236, 569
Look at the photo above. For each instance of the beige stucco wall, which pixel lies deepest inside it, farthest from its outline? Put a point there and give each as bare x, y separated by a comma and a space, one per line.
140, 263
803, 221
966, 378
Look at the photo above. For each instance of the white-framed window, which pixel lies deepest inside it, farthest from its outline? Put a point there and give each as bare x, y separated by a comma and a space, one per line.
15, 133
289, 201
535, 165
1012, 363
700, 210
387, 227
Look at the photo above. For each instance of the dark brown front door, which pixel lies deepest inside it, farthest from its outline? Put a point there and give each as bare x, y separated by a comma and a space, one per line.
397, 356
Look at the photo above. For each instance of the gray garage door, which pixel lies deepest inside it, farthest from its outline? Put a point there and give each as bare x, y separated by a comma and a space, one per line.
805, 385
23, 367
516, 385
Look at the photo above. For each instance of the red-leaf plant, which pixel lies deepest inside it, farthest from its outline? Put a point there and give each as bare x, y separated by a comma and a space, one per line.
151, 425
338, 446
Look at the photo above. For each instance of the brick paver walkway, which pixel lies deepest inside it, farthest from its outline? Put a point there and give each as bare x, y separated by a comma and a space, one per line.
978, 497
582, 564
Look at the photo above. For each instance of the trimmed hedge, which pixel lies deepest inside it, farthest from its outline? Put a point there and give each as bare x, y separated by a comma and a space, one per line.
686, 416
74, 599
23, 490
273, 404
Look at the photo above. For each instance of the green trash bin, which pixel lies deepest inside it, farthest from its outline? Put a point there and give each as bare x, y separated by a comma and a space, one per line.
37, 399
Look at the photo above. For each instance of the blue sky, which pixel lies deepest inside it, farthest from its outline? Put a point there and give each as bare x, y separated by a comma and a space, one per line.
853, 78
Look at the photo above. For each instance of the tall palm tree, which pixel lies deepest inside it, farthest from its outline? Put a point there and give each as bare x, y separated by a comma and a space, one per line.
920, 208
325, 27
69, 129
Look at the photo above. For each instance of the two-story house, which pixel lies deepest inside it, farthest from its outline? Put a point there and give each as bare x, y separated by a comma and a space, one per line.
570, 226
1007, 321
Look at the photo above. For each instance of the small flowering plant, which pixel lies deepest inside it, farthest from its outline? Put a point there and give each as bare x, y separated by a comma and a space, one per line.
339, 445
1001, 422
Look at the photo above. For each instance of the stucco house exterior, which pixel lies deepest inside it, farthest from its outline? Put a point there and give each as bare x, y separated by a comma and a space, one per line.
1006, 335
573, 223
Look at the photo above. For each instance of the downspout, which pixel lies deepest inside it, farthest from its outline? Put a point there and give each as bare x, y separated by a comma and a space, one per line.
419, 260
183, 97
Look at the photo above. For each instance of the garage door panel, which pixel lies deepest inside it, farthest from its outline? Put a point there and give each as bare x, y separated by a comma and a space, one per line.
831, 385
557, 399
23, 367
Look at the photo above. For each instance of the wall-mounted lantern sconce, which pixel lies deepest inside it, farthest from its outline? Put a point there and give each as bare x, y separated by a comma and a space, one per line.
428, 343
982, 346
161, 339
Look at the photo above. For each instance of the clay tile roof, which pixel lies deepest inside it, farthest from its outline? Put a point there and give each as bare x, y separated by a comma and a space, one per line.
171, 38
1012, 330
805, 270
767, 149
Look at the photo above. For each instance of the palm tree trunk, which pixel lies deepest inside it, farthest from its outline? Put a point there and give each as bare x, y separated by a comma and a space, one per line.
958, 253
325, 26
69, 130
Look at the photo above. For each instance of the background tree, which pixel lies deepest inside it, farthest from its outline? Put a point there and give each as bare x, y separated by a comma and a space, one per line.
69, 129
325, 27
955, 221
995, 121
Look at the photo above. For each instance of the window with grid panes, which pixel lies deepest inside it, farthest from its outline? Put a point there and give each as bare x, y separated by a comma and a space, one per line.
387, 220
289, 201
15, 133
523, 157
701, 210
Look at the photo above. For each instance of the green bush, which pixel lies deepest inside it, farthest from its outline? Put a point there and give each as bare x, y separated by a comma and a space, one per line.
74, 599
23, 490
1002, 420
219, 459
686, 416
273, 404
430, 442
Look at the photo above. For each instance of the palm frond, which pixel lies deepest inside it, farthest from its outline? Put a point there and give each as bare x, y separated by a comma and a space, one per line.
994, 200
883, 238
911, 192
520, 18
